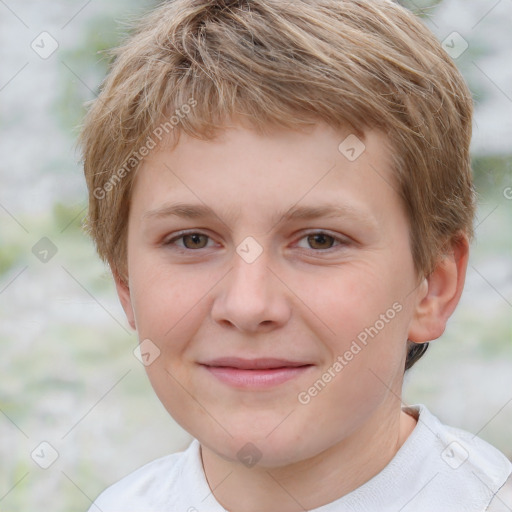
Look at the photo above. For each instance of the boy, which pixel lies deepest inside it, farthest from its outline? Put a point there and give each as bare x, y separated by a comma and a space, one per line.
283, 193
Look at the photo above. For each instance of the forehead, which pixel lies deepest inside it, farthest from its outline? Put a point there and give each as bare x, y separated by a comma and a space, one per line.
242, 170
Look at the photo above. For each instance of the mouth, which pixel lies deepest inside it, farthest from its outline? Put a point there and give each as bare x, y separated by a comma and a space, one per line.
255, 373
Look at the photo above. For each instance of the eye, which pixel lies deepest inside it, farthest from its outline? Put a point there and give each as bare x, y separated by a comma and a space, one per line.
191, 240
321, 241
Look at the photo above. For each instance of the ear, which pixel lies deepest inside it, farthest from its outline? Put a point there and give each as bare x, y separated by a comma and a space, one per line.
440, 292
123, 292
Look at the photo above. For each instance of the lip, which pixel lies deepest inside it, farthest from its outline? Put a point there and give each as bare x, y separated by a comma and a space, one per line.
255, 373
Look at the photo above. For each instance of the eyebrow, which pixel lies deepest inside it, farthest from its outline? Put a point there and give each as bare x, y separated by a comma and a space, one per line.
201, 211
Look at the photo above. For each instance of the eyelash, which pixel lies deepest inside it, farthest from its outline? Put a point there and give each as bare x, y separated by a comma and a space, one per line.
342, 241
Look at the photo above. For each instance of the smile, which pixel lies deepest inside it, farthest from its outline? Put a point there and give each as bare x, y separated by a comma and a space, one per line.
255, 373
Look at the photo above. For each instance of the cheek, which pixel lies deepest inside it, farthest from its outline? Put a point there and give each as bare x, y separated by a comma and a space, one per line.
165, 300
368, 319
351, 298
169, 309
366, 362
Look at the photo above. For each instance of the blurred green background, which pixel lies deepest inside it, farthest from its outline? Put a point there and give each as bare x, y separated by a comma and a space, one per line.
68, 375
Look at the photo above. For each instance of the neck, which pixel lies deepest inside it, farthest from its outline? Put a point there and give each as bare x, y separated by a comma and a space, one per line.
311, 483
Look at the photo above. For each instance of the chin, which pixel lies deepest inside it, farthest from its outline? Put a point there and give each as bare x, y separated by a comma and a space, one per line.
266, 450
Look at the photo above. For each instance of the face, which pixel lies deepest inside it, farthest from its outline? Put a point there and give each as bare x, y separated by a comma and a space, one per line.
274, 275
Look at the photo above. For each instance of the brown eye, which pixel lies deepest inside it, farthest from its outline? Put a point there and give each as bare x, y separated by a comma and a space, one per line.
195, 241
187, 241
320, 241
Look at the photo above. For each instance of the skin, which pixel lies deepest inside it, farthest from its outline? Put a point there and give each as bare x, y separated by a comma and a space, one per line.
304, 298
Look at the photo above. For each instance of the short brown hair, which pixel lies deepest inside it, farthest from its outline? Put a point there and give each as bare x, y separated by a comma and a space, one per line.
287, 63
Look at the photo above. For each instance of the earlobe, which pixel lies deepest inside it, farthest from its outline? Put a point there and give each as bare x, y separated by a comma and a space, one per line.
440, 293
123, 292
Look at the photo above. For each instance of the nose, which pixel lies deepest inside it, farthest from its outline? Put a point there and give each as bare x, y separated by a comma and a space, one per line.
252, 297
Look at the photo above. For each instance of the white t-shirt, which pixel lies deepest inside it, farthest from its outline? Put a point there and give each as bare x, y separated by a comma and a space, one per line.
438, 469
